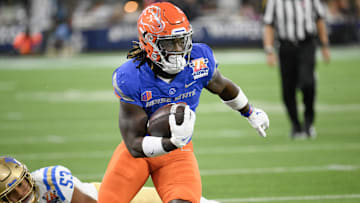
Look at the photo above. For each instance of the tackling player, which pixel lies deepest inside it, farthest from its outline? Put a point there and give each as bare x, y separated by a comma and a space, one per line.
54, 184
165, 67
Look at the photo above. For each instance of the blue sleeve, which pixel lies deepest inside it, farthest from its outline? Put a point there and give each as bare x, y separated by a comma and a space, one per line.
125, 83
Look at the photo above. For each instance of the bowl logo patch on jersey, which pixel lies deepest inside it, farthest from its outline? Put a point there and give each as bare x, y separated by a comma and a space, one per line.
51, 197
146, 96
199, 67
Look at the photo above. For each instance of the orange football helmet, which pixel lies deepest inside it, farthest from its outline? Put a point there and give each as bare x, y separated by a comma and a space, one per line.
166, 35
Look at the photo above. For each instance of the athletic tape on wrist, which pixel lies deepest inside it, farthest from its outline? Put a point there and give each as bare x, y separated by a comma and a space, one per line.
249, 112
152, 146
238, 102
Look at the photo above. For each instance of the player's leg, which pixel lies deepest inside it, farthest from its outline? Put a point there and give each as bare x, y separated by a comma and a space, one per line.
176, 176
150, 195
124, 177
289, 82
145, 195
308, 83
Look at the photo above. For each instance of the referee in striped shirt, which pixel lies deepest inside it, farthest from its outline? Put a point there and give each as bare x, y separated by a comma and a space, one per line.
296, 24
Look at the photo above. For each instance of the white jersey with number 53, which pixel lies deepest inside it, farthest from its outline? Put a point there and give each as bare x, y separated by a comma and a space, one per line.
56, 185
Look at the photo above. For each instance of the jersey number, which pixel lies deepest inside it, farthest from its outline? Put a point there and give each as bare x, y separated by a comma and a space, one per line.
66, 179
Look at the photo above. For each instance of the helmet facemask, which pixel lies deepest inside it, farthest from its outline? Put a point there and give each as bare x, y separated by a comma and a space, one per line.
30, 196
171, 52
16, 174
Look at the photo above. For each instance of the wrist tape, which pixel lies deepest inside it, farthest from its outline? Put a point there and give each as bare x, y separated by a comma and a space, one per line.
249, 112
152, 146
238, 102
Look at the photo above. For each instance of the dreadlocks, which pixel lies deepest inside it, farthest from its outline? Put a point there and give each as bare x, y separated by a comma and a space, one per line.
137, 53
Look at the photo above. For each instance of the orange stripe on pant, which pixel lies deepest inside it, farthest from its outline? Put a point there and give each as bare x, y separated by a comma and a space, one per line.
175, 175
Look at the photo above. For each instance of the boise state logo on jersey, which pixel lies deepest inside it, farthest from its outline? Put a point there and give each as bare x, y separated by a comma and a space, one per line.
146, 96
200, 68
172, 91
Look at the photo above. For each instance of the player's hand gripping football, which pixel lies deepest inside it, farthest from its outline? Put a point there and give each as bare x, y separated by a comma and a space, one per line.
259, 120
181, 134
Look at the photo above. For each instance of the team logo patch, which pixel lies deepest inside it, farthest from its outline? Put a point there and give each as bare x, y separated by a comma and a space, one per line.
51, 197
172, 91
146, 96
200, 68
152, 19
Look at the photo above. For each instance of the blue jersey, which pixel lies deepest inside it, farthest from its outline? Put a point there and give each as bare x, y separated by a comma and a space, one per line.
141, 87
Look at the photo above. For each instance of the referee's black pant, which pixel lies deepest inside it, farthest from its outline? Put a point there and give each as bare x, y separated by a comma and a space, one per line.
297, 68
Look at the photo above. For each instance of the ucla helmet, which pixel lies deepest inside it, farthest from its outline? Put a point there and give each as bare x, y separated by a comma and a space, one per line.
12, 173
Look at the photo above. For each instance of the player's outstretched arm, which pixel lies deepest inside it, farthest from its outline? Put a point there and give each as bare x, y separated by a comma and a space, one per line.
233, 96
132, 123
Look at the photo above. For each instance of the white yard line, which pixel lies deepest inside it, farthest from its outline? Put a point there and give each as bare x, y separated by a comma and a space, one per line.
201, 135
7, 86
111, 61
58, 139
273, 107
241, 171
98, 154
74, 63
73, 95
249, 171
292, 198
276, 148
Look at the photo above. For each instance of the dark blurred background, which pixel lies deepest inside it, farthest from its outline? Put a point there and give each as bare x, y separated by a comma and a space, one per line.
68, 27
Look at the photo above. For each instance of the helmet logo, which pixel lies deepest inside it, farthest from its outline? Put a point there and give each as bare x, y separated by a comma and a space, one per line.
172, 91
177, 31
152, 19
10, 159
12, 183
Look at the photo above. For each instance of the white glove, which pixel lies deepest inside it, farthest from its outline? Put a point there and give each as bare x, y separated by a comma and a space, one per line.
181, 134
259, 120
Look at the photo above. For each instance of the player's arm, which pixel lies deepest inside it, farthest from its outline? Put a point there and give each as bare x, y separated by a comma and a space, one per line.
234, 97
80, 197
226, 89
132, 123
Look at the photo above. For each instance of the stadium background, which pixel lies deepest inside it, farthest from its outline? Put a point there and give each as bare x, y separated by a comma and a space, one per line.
57, 105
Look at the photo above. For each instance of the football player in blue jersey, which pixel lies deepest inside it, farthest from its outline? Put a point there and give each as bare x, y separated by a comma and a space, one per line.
165, 67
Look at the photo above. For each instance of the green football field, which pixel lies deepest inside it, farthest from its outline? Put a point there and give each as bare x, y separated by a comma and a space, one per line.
62, 111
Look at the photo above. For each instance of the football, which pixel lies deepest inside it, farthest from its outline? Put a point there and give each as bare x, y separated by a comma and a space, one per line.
158, 124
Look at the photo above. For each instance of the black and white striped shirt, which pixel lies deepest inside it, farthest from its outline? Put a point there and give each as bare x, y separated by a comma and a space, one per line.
294, 20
